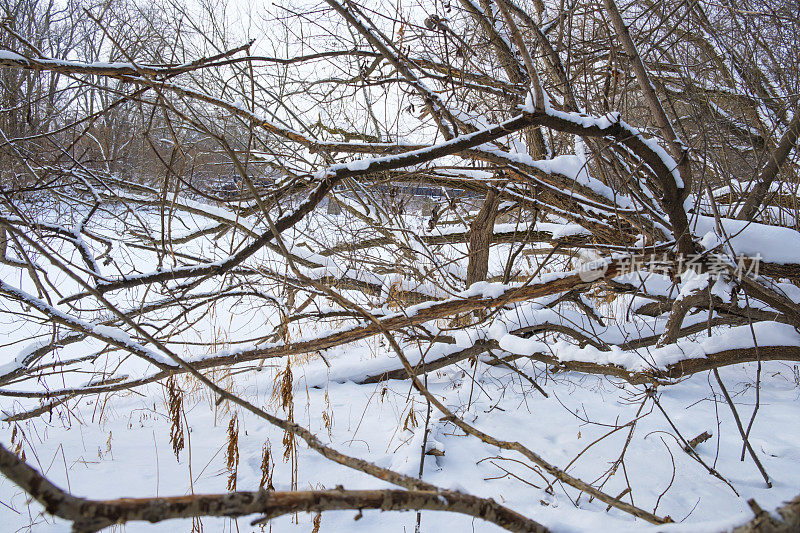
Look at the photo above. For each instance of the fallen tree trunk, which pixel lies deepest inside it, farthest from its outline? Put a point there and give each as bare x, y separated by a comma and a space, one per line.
93, 515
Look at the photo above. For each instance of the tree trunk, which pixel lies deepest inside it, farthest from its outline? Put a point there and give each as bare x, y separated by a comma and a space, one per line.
480, 237
768, 523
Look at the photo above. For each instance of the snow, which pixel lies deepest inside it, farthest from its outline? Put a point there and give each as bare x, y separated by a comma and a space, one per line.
140, 452
773, 244
570, 166
605, 122
518, 345
118, 444
359, 164
566, 230
8, 368
126, 435
13, 56
112, 333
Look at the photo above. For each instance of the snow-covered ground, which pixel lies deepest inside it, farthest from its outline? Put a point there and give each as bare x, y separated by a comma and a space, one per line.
118, 444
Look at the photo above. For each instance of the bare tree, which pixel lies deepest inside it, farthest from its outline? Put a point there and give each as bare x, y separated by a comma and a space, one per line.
158, 167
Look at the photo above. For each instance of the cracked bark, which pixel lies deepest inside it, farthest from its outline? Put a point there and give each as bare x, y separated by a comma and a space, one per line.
480, 238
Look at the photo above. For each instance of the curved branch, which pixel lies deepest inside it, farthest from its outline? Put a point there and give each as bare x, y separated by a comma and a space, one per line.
93, 515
